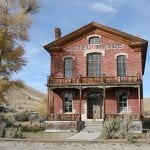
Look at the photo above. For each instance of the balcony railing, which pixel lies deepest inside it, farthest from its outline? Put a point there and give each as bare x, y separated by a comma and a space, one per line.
94, 80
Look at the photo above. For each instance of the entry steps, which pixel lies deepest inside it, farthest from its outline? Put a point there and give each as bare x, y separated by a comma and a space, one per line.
91, 131
92, 126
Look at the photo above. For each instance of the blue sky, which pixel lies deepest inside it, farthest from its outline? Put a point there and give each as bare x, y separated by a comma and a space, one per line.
129, 16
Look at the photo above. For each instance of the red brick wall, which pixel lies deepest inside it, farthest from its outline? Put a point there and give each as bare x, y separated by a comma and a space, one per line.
109, 67
109, 62
133, 102
58, 102
111, 102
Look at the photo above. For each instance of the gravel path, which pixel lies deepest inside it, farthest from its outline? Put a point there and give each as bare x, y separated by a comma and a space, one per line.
19, 145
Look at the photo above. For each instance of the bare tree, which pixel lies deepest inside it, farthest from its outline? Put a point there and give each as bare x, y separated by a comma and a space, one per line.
15, 21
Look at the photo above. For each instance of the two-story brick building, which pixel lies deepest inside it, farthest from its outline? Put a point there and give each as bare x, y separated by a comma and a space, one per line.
96, 72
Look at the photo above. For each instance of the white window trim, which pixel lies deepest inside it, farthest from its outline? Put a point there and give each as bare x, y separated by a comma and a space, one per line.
127, 108
93, 35
73, 94
68, 56
122, 54
119, 54
94, 51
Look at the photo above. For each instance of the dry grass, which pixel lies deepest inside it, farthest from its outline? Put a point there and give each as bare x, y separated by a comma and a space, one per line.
47, 136
21, 99
147, 107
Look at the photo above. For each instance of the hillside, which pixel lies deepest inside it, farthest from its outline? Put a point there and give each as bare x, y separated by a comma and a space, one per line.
28, 98
25, 98
147, 105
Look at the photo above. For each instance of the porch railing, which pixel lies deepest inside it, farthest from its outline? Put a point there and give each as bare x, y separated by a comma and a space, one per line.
123, 116
94, 80
63, 117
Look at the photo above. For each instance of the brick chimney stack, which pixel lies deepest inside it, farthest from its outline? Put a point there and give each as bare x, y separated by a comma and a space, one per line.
57, 33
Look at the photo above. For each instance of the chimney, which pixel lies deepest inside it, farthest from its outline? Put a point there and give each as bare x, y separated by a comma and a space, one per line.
57, 33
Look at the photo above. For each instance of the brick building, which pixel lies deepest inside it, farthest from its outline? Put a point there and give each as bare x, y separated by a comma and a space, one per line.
96, 72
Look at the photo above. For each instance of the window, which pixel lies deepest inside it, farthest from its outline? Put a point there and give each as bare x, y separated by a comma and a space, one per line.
68, 97
94, 40
121, 66
122, 100
94, 65
68, 67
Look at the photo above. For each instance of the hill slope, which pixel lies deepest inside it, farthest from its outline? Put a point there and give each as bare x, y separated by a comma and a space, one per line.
25, 98
147, 106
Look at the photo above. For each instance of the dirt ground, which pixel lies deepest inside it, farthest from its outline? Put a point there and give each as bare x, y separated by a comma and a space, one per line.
58, 141
65, 145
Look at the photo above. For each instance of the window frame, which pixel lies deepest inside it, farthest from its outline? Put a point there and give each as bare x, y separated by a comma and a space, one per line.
123, 109
94, 37
70, 69
94, 62
68, 104
122, 71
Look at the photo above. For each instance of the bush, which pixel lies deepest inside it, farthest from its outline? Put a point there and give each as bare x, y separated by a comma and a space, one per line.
8, 127
33, 128
22, 116
116, 128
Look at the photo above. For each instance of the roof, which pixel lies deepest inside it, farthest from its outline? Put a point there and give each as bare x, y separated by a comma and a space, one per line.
134, 41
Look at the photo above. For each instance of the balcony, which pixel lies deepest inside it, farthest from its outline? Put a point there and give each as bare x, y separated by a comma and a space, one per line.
93, 81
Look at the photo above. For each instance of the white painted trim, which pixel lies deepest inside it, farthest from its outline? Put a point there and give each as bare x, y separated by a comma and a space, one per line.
68, 56
93, 35
118, 92
121, 54
94, 51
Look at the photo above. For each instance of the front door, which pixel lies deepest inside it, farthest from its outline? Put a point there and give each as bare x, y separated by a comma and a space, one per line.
94, 106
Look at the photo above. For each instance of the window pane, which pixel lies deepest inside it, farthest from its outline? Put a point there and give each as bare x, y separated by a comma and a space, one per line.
121, 66
68, 67
123, 102
94, 40
68, 98
94, 65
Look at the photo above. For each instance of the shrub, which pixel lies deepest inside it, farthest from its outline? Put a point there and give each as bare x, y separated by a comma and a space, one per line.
33, 128
8, 127
22, 116
116, 128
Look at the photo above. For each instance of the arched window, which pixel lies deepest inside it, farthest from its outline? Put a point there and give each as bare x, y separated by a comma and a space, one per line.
94, 40
123, 101
68, 67
68, 98
94, 65
121, 66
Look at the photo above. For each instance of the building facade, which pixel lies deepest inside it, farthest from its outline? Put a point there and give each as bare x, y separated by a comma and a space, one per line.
96, 72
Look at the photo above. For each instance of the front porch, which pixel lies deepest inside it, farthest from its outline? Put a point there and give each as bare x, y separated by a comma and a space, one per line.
94, 103
96, 98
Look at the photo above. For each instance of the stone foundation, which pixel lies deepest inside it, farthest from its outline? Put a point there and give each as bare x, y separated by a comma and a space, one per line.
135, 127
63, 126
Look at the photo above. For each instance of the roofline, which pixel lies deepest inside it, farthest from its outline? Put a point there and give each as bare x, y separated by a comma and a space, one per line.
93, 25
137, 41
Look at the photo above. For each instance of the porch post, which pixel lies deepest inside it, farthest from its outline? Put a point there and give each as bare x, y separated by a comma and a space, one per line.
80, 111
139, 98
80, 103
48, 98
104, 97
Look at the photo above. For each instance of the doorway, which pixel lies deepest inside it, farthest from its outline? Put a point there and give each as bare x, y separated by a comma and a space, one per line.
94, 106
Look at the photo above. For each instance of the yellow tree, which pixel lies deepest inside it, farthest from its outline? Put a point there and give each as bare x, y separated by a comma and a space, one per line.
15, 21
